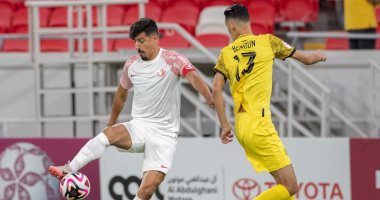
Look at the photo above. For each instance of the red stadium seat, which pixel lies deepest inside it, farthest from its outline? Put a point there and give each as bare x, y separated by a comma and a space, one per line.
20, 45
198, 3
59, 18
7, 5
132, 14
171, 39
292, 10
13, 4
6, 17
226, 2
161, 3
220, 3
264, 18
261, 4
214, 40
55, 45
183, 3
337, 44
279, 10
50, 45
187, 17
20, 29
115, 15
15, 45
258, 29
316, 10
20, 19
121, 44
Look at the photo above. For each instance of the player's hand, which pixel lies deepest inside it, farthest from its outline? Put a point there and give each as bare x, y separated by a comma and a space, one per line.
226, 135
321, 55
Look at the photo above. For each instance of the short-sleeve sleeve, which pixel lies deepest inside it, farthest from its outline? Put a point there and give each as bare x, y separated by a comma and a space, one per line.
178, 63
125, 81
281, 49
220, 67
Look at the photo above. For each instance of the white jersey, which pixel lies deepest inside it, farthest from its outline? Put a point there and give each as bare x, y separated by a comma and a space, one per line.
157, 89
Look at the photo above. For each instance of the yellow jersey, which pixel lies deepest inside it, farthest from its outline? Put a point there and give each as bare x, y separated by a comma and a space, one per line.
359, 14
247, 63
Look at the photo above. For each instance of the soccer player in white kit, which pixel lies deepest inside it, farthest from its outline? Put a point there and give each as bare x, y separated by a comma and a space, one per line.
155, 76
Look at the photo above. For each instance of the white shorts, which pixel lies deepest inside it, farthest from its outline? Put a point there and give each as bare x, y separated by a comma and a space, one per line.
158, 148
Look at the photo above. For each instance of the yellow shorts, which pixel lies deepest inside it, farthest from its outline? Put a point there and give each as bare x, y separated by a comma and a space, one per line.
260, 140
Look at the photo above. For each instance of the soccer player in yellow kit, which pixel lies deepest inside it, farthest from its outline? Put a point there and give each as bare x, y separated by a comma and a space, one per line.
247, 64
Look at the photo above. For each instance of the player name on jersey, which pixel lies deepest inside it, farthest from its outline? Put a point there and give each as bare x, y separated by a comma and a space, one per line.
245, 45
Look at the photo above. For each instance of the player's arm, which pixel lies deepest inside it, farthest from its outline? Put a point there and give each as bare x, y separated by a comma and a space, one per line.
309, 58
217, 93
283, 50
199, 85
119, 99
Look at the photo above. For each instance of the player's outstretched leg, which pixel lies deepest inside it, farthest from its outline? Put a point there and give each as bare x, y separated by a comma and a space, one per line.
92, 150
116, 135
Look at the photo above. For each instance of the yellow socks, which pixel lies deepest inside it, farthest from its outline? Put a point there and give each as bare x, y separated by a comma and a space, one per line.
278, 192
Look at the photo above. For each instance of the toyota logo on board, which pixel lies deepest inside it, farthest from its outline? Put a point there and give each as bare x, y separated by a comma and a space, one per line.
246, 189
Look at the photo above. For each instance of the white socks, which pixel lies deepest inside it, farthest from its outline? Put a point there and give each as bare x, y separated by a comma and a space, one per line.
137, 198
92, 150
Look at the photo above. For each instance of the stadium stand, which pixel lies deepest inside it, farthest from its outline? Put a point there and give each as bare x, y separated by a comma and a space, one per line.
115, 15
172, 39
211, 20
13, 4
263, 20
188, 17
59, 18
122, 44
198, 17
15, 45
161, 3
20, 20
152, 11
6, 19
291, 10
56, 45
219, 3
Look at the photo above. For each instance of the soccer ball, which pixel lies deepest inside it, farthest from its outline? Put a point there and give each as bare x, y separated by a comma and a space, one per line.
74, 186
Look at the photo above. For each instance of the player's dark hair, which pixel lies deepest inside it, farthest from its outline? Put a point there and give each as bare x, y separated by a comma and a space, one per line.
143, 25
237, 11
